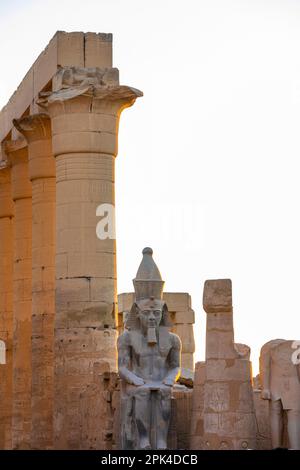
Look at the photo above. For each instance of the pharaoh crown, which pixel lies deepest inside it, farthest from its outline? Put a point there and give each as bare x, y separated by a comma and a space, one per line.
148, 282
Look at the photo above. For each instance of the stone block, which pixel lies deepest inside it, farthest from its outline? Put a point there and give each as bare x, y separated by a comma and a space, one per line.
219, 322
187, 317
91, 265
217, 296
187, 361
98, 50
186, 334
177, 301
228, 369
70, 49
125, 301
220, 345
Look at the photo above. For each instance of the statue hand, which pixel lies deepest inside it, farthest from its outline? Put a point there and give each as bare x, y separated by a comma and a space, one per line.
266, 394
138, 381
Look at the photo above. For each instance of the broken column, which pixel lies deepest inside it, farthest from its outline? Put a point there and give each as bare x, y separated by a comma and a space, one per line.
21, 194
84, 106
37, 131
229, 417
6, 304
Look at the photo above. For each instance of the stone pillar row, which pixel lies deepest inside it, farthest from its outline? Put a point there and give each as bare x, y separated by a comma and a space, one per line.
58, 290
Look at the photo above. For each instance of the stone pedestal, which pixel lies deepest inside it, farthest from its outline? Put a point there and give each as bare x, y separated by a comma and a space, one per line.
6, 305
85, 107
229, 417
21, 194
37, 131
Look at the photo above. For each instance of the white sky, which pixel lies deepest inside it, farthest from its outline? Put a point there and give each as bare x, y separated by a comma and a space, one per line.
208, 165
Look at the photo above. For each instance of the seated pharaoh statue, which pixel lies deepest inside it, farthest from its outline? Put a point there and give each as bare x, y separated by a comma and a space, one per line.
149, 363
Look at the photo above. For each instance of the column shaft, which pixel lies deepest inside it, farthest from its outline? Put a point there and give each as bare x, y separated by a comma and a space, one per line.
6, 305
21, 193
84, 107
37, 131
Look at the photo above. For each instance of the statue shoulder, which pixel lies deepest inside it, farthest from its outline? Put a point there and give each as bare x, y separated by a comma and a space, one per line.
175, 341
124, 339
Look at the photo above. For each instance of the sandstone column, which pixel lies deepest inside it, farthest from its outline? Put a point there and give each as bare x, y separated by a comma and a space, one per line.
85, 107
6, 305
37, 131
21, 193
229, 417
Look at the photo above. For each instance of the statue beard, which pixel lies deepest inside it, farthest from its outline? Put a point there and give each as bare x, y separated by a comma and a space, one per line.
151, 336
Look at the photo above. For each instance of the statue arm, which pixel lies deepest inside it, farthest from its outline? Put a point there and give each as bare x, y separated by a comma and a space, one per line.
265, 374
174, 362
124, 362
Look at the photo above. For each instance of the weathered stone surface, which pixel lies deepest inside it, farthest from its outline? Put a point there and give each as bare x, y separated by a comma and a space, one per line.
228, 412
76, 352
217, 296
6, 305
65, 49
280, 372
187, 317
186, 334
197, 417
37, 131
98, 410
183, 402
22, 315
262, 420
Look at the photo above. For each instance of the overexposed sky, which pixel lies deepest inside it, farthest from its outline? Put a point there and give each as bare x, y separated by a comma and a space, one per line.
208, 166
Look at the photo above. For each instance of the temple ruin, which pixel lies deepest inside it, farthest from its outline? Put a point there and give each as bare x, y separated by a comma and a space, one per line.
60, 313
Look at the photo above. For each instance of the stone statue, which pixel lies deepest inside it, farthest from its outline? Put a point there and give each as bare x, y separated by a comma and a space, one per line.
149, 363
280, 378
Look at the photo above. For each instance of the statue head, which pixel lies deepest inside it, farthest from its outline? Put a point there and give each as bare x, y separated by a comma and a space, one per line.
149, 311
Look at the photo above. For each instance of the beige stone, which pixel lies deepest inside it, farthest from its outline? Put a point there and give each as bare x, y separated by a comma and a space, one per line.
280, 372
197, 417
217, 296
64, 49
37, 132
186, 334
229, 420
6, 305
187, 317
84, 118
21, 194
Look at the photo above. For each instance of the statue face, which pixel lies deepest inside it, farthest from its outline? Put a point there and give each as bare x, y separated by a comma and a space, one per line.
150, 314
